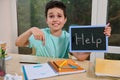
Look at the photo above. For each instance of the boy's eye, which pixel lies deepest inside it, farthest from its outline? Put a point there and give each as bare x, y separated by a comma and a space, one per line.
59, 16
51, 16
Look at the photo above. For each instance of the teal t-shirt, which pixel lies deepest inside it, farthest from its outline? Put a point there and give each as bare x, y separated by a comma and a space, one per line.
55, 47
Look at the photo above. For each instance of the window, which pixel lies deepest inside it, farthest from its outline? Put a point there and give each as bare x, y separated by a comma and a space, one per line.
114, 19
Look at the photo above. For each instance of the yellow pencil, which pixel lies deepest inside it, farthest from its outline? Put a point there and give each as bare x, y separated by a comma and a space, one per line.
62, 63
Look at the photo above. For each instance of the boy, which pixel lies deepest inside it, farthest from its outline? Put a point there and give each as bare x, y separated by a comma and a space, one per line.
52, 41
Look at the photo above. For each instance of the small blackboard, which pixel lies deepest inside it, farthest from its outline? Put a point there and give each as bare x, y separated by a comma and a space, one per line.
88, 39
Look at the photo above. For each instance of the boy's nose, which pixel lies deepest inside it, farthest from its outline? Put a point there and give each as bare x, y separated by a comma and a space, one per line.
55, 19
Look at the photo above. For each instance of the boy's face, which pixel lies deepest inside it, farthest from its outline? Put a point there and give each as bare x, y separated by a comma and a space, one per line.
55, 19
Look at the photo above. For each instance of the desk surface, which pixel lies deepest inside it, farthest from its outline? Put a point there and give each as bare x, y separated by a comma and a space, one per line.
13, 66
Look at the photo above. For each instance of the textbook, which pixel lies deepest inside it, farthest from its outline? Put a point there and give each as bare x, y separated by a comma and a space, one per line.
50, 69
105, 67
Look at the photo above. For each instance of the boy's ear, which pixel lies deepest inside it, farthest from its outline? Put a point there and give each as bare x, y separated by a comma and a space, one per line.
65, 20
46, 20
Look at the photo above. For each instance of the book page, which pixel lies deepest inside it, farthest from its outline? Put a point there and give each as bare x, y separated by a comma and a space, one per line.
36, 71
106, 67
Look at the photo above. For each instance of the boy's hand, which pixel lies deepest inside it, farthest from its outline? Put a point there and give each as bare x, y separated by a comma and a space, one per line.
107, 30
38, 34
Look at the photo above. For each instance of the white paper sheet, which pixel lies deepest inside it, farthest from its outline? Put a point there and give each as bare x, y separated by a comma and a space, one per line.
35, 71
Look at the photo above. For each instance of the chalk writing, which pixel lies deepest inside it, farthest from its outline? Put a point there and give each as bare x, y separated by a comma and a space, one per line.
88, 40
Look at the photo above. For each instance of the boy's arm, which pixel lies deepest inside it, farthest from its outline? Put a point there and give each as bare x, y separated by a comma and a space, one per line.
81, 56
23, 39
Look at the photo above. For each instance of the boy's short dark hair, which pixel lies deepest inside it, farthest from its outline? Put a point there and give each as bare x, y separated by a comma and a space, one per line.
53, 4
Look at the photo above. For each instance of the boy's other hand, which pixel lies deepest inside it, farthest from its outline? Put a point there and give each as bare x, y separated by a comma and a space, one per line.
107, 30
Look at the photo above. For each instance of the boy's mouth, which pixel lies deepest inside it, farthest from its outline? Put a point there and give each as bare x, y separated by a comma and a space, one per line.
55, 25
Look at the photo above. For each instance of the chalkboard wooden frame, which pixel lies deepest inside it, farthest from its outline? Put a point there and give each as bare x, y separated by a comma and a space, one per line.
88, 39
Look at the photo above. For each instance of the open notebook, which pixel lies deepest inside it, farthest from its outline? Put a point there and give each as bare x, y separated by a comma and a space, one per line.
50, 69
104, 67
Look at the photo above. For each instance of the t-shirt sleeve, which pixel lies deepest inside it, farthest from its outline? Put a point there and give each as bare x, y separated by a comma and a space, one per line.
31, 41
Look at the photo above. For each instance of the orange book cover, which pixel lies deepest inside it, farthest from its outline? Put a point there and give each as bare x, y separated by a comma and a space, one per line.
105, 67
68, 66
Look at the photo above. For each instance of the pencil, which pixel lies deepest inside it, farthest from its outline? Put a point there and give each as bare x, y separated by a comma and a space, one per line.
55, 64
62, 63
29, 62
